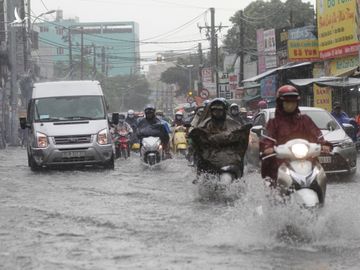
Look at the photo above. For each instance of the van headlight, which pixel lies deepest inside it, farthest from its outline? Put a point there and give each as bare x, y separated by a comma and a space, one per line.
41, 140
346, 143
103, 137
299, 150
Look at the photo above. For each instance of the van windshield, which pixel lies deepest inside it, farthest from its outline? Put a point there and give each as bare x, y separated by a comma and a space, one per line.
69, 108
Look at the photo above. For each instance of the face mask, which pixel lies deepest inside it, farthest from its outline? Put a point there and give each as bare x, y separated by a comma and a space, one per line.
131, 116
290, 106
218, 115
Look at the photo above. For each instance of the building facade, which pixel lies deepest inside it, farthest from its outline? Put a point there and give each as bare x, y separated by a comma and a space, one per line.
111, 48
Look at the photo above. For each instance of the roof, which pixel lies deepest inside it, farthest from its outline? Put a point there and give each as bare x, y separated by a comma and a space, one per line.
305, 82
343, 82
66, 88
271, 71
301, 108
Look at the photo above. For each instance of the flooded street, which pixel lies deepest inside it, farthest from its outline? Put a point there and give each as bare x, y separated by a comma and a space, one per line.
137, 218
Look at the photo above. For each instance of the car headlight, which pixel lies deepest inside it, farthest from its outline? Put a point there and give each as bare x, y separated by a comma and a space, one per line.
346, 143
103, 137
41, 140
299, 150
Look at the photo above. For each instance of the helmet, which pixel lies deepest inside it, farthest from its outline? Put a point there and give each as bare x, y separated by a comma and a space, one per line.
218, 103
149, 107
287, 92
206, 102
243, 110
234, 105
130, 112
159, 113
262, 104
121, 117
179, 113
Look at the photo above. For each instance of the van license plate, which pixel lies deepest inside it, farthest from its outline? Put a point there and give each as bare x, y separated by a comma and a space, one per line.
325, 159
73, 154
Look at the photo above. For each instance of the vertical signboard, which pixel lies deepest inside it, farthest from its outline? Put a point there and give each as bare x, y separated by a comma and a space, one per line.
337, 28
260, 49
322, 97
270, 49
268, 87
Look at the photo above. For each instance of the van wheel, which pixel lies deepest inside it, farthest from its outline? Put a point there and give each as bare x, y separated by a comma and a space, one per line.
110, 164
33, 165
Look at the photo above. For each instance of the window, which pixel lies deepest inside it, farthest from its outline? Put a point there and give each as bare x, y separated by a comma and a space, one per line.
44, 29
60, 50
59, 31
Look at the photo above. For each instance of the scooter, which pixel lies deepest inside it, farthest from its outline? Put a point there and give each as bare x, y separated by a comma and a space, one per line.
301, 175
179, 141
121, 141
151, 151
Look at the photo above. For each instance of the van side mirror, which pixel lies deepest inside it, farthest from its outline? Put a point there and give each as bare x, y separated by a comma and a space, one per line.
23, 122
349, 130
115, 118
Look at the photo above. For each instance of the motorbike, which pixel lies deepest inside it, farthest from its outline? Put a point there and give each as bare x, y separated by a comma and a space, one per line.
301, 175
151, 151
179, 141
121, 142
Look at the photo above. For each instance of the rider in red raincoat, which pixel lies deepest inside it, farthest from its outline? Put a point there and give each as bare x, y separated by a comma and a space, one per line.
288, 124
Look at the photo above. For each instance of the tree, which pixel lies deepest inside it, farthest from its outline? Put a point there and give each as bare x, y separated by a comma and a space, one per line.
125, 92
262, 14
180, 74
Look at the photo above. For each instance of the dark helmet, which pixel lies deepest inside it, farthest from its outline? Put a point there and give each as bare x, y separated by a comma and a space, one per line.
218, 103
149, 111
262, 104
287, 92
121, 117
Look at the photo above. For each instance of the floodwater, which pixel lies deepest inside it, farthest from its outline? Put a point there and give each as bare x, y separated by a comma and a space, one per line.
137, 218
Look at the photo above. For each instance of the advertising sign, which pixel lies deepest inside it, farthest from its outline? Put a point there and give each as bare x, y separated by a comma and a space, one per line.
270, 49
340, 65
322, 97
268, 87
207, 75
303, 50
337, 28
211, 87
260, 49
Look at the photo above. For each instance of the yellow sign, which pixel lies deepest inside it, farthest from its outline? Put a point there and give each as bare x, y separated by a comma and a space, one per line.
341, 65
322, 97
337, 28
303, 50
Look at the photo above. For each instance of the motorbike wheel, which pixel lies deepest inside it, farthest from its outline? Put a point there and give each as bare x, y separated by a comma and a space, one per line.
117, 152
124, 153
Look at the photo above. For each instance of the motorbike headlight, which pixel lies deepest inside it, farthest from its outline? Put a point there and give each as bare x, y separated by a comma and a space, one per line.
299, 150
41, 140
103, 137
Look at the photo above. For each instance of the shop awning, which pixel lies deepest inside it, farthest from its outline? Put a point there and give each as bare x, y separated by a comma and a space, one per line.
250, 98
271, 71
343, 82
305, 82
347, 72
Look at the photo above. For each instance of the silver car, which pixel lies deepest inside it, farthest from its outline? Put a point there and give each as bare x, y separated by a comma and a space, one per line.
343, 161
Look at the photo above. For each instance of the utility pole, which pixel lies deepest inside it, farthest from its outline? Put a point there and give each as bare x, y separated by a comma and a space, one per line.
212, 36
82, 54
70, 54
201, 65
103, 60
13, 81
24, 36
94, 61
241, 52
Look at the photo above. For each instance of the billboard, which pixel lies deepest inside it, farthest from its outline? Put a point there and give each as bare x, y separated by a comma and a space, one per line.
260, 48
302, 44
322, 97
270, 48
337, 28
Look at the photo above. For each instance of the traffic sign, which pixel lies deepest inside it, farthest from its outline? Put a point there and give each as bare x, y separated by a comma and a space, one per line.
204, 93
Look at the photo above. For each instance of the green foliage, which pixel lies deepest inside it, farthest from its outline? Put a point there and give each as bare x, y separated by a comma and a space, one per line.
125, 92
62, 69
266, 14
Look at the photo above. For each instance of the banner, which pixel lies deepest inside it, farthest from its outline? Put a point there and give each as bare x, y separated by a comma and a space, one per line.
270, 49
322, 97
337, 28
260, 49
340, 65
268, 87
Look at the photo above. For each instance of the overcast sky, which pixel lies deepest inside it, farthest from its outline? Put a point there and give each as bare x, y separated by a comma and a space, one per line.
167, 20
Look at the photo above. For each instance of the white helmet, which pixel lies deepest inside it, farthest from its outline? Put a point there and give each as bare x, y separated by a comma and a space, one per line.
179, 113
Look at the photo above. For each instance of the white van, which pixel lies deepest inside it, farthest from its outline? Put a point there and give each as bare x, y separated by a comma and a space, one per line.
67, 125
